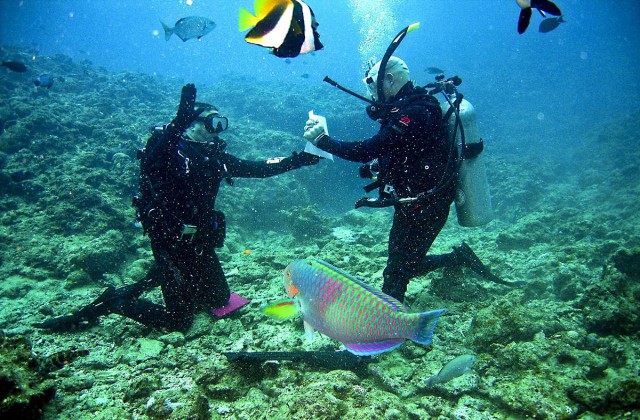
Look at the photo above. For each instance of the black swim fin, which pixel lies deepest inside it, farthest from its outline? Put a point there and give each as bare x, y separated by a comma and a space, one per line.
331, 360
469, 259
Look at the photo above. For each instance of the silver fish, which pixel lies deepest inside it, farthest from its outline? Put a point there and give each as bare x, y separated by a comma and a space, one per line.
189, 27
456, 367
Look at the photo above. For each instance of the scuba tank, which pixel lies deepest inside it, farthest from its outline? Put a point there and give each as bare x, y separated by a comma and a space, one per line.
473, 201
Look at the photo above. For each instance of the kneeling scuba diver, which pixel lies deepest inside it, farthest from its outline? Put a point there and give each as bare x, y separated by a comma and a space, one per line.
181, 169
415, 163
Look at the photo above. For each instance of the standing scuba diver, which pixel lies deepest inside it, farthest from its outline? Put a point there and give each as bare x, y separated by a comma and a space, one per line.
416, 166
181, 168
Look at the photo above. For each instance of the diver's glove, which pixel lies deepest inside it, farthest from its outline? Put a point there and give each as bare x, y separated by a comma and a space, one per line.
187, 112
315, 129
300, 159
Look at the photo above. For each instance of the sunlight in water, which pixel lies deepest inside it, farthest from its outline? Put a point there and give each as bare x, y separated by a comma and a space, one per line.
377, 26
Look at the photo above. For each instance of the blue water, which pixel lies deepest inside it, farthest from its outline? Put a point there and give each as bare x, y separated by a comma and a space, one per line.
536, 94
556, 83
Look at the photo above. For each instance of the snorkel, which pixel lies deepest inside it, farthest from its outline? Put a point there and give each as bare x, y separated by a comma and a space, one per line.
378, 105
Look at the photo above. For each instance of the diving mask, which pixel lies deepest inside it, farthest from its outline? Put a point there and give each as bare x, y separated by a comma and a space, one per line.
214, 123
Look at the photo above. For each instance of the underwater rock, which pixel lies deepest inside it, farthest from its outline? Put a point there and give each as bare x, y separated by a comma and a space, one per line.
23, 389
141, 387
511, 241
507, 320
628, 262
453, 285
609, 306
306, 223
616, 396
565, 286
101, 255
142, 349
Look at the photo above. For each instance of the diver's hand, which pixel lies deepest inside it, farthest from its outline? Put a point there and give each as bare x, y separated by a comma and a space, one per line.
300, 159
187, 113
315, 129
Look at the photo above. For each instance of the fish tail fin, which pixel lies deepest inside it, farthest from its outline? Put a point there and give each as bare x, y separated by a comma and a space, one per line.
426, 324
167, 31
431, 381
282, 309
246, 20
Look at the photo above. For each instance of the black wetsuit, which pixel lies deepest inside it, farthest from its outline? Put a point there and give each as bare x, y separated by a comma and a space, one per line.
414, 156
179, 182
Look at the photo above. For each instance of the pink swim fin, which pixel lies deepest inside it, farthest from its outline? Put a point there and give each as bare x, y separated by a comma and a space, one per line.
235, 302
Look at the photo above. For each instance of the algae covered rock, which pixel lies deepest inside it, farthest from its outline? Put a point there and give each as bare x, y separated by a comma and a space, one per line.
23, 389
101, 255
628, 262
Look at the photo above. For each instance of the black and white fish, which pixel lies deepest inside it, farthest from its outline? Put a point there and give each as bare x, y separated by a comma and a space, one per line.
287, 27
16, 66
543, 6
189, 27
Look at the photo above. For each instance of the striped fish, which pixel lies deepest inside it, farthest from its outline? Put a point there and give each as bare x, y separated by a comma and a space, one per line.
367, 321
287, 27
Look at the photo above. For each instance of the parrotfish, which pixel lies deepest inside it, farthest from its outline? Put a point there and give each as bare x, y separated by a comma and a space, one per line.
366, 320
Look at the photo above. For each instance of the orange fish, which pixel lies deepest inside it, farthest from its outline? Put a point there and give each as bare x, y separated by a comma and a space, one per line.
247, 252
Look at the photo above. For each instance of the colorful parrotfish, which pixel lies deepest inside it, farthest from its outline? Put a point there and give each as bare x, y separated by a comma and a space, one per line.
367, 321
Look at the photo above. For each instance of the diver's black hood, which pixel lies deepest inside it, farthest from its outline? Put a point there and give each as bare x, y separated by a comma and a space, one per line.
409, 93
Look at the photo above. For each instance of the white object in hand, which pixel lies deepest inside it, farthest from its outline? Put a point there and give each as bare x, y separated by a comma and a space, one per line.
309, 147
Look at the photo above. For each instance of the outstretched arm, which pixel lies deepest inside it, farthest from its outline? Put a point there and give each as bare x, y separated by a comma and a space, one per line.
263, 169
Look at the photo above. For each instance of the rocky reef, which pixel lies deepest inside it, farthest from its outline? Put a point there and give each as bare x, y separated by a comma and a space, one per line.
564, 345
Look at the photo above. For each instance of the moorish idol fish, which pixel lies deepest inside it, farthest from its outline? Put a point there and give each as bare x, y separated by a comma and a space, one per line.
287, 27
541, 5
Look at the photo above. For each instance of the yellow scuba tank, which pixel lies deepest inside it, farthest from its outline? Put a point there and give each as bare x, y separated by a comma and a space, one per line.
473, 201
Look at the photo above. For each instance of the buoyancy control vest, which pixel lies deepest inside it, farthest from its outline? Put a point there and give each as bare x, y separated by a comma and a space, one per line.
420, 165
178, 183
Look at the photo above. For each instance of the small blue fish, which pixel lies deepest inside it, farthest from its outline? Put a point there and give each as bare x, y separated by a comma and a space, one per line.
44, 80
549, 24
189, 27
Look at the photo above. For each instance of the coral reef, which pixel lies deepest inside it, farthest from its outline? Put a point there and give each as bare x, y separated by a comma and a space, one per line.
23, 388
565, 345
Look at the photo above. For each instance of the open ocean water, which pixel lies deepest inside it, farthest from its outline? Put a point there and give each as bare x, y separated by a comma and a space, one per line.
559, 115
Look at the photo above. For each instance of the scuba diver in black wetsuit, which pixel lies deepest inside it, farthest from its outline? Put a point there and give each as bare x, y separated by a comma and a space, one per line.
181, 168
416, 171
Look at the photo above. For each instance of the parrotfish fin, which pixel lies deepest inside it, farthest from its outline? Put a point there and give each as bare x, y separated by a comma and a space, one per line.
427, 324
282, 309
371, 349
308, 330
393, 302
